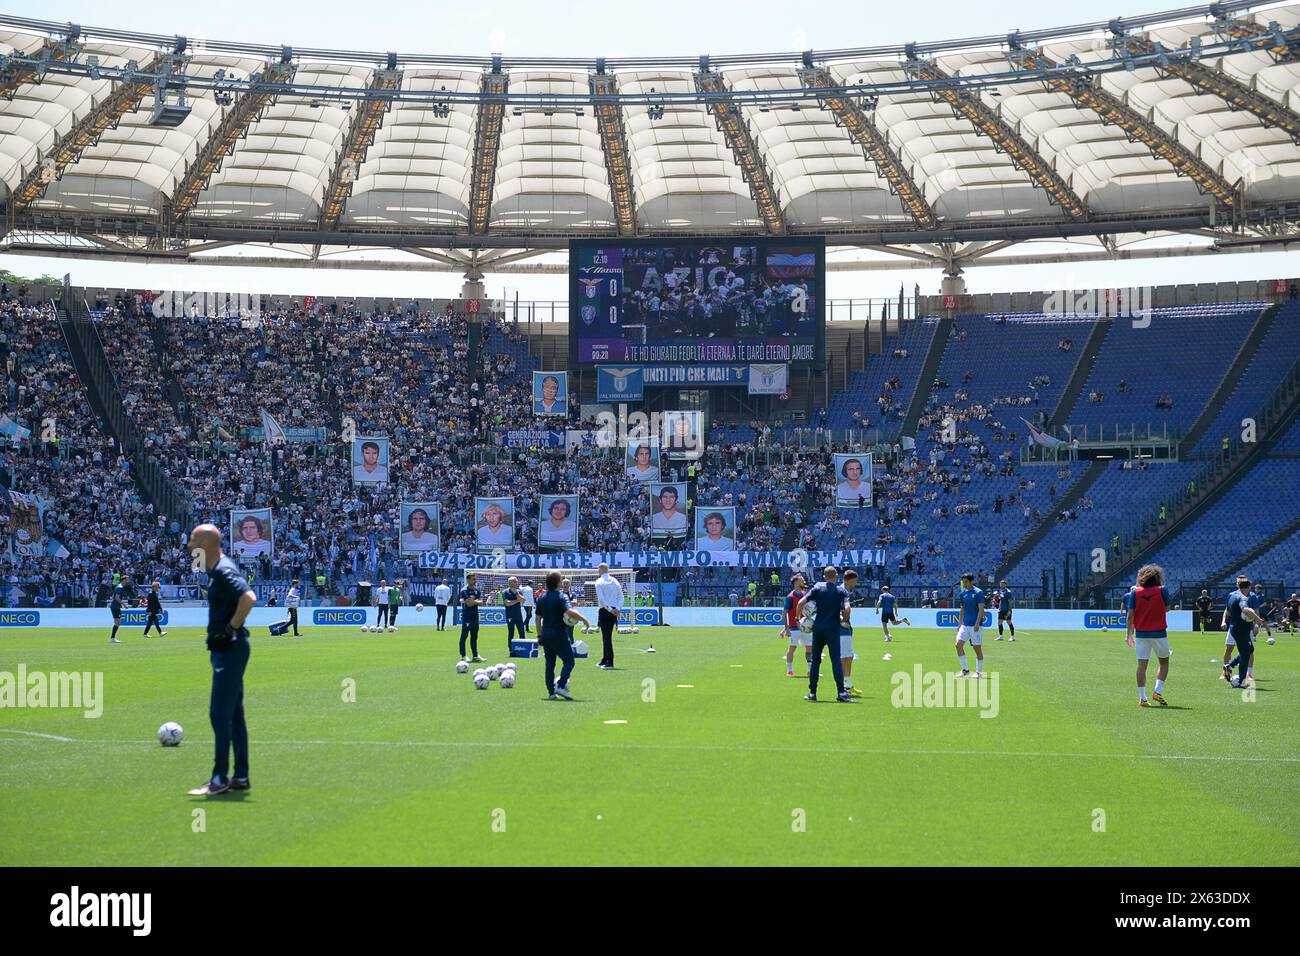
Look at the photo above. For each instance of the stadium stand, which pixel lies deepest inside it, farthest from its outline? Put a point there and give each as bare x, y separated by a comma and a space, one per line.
960, 493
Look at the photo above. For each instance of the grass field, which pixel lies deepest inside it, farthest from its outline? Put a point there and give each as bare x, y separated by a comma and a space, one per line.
721, 767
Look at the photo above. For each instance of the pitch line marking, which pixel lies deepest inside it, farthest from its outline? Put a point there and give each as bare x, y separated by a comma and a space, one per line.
885, 751
32, 733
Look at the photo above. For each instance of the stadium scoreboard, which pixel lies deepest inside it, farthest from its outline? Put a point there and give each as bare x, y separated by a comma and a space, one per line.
709, 300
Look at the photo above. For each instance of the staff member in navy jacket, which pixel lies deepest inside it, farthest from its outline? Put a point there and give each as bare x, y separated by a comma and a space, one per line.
553, 611
229, 601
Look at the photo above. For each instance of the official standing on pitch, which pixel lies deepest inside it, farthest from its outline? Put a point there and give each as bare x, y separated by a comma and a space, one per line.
292, 601
441, 598
553, 609
832, 604
530, 604
609, 594
229, 601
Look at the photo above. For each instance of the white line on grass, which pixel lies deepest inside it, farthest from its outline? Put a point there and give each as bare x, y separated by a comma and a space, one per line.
32, 733
900, 751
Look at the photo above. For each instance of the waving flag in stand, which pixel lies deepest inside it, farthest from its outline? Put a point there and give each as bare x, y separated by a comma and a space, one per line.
12, 430
1040, 437
272, 433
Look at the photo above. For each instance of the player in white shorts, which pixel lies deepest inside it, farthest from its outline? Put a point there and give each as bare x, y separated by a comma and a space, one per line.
791, 630
846, 639
970, 601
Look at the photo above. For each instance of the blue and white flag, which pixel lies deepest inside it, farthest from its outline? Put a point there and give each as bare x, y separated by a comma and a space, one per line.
1040, 437
272, 433
768, 379
620, 384
12, 430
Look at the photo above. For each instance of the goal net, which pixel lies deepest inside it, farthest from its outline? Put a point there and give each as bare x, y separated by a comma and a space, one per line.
582, 583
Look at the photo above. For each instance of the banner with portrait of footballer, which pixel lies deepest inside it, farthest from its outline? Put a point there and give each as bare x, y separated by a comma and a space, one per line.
557, 523
370, 460
683, 437
419, 527
853, 481
642, 459
252, 534
494, 524
715, 528
550, 393
668, 518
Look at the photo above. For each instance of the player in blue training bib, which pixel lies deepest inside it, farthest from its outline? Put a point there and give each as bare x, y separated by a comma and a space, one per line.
971, 601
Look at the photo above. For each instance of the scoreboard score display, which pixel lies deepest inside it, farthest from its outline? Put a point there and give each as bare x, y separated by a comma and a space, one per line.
718, 300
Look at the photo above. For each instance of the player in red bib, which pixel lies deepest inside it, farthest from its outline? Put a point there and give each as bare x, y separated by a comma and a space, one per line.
791, 629
1147, 604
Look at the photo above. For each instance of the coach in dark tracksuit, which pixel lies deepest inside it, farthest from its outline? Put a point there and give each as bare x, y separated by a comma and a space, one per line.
553, 635
153, 614
229, 601
831, 602
470, 598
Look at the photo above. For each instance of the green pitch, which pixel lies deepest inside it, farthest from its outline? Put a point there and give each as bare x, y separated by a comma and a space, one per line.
719, 760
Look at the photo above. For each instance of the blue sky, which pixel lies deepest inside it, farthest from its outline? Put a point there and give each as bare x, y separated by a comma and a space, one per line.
590, 28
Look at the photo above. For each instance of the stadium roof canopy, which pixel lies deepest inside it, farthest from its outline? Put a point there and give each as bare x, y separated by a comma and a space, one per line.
133, 145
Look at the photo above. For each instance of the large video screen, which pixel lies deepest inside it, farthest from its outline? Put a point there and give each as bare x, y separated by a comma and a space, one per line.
697, 300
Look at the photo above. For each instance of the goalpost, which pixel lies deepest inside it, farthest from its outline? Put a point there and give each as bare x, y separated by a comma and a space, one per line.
582, 585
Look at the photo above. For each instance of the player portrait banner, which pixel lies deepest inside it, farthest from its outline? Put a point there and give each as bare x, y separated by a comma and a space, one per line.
779, 561
494, 524
769, 379
853, 481
252, 534
419, 527
370, 460
683, 436
550, 393
642, 459
715, 528
557, 523
26, 524
668, 518
620, 383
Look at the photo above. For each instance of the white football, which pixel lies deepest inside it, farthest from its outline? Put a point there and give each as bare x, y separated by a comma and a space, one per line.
1271, 640
419, 608
171, 734
493, 672
462, 667
481, 681
636, 630
806, 624
508, 679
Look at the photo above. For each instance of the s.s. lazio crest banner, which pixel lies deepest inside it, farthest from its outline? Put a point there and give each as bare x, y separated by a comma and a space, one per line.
589, 307
620, 383
768, 379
